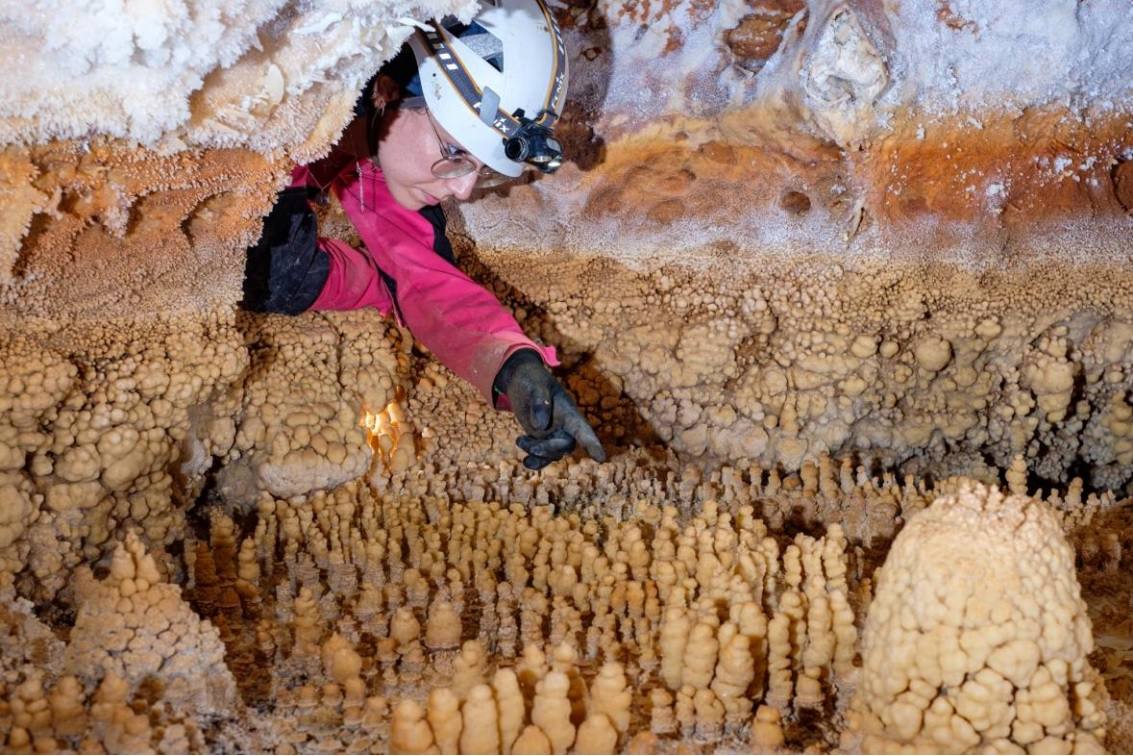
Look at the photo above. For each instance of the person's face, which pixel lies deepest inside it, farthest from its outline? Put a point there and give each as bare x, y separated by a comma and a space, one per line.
406, 154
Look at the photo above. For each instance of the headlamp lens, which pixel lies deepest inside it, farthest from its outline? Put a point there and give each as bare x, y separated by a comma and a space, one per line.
516, 148
534, 143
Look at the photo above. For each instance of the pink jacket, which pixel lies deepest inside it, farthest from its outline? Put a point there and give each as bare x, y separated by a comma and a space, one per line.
458, 320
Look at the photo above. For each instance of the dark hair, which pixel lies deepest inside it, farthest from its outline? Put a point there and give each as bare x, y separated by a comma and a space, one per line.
402, 68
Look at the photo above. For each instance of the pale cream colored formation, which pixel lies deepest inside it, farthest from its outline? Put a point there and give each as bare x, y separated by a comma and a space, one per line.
347, 619
102, 719
711, 618
94, 439
300, 417
934, 369
107, 429
687, 608
141, 672
977, 636
135, 625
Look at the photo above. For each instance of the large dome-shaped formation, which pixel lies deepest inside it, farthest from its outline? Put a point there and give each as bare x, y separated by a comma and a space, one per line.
978, 636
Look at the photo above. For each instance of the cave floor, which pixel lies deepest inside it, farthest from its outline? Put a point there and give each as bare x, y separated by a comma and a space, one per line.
277, 718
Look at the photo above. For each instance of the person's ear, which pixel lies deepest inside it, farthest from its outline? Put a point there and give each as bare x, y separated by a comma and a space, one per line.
385, 92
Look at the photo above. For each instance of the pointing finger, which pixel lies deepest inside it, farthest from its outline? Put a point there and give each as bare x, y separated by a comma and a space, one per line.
575, 424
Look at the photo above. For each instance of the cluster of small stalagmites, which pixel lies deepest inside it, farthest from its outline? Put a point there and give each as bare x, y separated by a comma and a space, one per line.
634, 477
301, 414
131, 676
869, 505
977, 637
1104, 543
103, 718
710, 609
541, 705
135, 626
91, 431
1077, 513
223, 587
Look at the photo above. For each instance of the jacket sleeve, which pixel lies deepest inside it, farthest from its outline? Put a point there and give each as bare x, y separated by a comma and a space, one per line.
350, 278
458, 320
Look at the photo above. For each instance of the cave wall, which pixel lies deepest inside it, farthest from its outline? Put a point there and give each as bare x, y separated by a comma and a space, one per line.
938, 372
819, 241
972, 129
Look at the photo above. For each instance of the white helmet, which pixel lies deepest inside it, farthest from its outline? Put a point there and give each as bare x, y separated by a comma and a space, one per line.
499, 86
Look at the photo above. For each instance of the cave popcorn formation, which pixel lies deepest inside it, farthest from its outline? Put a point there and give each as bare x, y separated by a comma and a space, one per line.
977, 636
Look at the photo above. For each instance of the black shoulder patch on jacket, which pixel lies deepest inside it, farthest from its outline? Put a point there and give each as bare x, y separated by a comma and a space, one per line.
285, 271
441, 245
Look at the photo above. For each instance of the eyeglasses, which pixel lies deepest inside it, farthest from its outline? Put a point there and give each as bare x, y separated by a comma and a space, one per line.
456, 163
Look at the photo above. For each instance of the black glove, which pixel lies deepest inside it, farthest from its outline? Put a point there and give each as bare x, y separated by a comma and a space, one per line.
544, 409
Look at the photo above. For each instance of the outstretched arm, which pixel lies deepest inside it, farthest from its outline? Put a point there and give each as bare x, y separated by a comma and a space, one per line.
466, 327
457, 319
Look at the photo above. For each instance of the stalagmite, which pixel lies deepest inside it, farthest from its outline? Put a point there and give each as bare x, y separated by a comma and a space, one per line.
307, 632
661, 718
684, 710
404, 627
409, 732
551, 711
675, 631
700, 656
533, 741
470, 668
443, 628
766, 731
845, 634
1014, 676
609, 696
780, 687
341, 662
445, 719
710, 715
596, 735
481, 717
531, 669
1017, 476
735, 671
68, 715
513, 709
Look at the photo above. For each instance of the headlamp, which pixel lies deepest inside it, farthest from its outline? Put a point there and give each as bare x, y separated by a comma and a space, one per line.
534, 143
